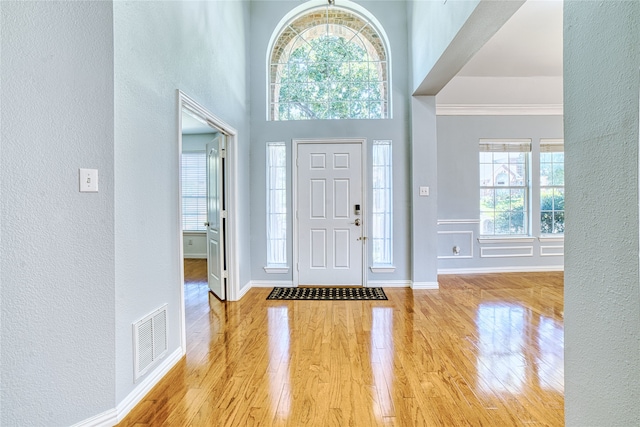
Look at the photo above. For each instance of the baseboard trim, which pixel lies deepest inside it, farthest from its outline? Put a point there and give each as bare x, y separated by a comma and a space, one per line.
389, 283
271, 283
242, 292
425, 285
114, 416
106, 419
195, 256
129, 402
490, 270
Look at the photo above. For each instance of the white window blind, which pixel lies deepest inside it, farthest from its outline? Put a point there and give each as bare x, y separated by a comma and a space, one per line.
194, 190
382, 227
276, 204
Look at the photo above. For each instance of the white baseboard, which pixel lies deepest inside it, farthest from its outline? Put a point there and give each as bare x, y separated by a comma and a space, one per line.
195, 256
244, 291
114, 416
148, 383
425, 285
389, 283
271, 283
106, 419
489, 270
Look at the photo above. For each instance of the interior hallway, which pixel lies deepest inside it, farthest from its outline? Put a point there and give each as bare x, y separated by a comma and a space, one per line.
483, 350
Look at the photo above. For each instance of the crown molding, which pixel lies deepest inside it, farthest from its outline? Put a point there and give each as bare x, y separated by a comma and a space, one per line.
499, 109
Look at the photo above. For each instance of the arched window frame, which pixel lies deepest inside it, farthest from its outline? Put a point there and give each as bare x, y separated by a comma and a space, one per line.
320, 5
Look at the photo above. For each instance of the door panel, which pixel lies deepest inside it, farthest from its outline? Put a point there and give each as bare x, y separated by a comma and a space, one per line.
329, 186
215, 213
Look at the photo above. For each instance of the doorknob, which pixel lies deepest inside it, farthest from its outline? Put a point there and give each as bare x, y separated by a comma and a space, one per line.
206, 224
357, 222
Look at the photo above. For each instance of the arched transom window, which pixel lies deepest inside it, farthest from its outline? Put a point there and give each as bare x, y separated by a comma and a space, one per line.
329, 63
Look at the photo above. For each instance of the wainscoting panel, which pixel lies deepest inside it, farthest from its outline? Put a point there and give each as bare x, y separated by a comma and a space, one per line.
506, 251
552, 250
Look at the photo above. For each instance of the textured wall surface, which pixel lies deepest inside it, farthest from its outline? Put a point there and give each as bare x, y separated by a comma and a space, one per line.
200, 48
57, 253
602, 295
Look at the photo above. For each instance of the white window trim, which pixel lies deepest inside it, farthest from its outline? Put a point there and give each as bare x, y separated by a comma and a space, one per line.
550, 143
273, 267
521, 145
346, 4
384, 267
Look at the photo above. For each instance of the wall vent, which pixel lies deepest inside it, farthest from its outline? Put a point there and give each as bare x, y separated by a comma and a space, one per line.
149, 341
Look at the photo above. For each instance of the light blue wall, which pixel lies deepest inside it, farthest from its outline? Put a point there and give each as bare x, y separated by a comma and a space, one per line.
199, 48
602, 291
433, 25
265, 17
57, 253
458, 192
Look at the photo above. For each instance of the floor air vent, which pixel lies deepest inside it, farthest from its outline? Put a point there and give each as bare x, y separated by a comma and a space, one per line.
149, 341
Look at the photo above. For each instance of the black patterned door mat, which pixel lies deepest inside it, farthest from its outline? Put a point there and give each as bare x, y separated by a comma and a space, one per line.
325, 293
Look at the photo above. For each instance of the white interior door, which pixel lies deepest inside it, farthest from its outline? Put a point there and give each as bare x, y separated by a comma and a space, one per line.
215, 217
329, 205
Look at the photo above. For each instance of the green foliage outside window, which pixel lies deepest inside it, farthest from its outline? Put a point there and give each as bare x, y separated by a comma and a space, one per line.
552, 193
330, 77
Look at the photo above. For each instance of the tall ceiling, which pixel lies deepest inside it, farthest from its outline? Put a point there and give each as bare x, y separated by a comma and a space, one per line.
521, 65
529, 44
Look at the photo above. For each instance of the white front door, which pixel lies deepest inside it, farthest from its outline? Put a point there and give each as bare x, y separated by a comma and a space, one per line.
330, 213
215, 218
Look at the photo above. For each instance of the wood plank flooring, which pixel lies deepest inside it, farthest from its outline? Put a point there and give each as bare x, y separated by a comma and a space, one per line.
484, 350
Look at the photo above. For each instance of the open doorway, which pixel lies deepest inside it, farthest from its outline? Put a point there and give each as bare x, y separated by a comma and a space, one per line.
206, 146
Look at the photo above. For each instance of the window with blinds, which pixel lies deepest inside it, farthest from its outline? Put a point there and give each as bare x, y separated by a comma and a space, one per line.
276, 204
382, 224
551, 186
194, 191
504, 186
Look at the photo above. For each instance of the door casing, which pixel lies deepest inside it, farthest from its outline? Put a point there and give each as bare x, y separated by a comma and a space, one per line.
296, 236
185, 103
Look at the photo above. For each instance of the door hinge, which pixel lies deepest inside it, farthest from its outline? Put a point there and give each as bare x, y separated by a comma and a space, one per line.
297, 266
223, 153
223, 214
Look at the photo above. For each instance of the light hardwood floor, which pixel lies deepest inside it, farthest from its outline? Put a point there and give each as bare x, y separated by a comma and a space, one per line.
484, 350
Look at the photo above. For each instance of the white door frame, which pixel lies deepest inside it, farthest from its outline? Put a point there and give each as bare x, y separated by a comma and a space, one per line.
231, 189
294, 199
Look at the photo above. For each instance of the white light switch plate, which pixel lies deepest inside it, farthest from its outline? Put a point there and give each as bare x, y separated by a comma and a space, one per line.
88, 180
424, 191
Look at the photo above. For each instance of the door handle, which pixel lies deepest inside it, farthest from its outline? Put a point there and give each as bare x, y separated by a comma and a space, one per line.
206, 224
357, 222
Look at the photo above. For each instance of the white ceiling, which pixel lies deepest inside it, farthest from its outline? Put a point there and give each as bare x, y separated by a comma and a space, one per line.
521, 65
529, 44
